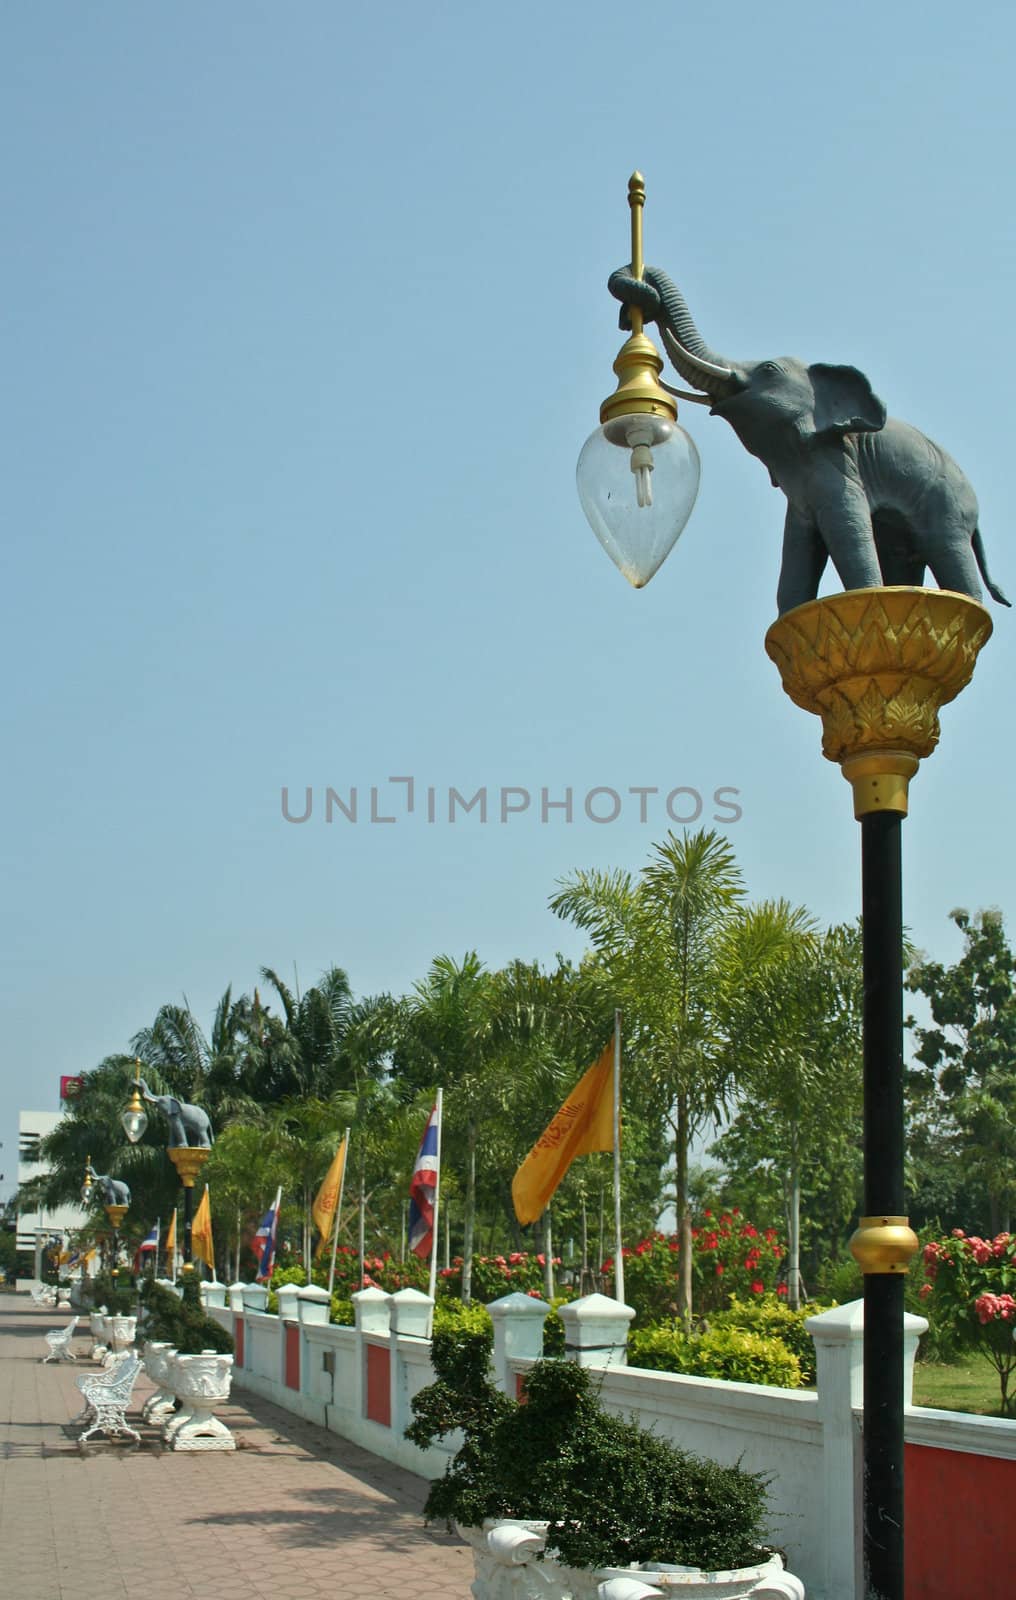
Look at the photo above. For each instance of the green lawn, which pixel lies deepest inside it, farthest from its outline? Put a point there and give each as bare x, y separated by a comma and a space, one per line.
967, 1385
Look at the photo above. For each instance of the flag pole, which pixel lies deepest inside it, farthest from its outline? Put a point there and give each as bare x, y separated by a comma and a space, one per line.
275, 1236
618, 1256
338, 1213
158, 1242
173, 1264
432, 1290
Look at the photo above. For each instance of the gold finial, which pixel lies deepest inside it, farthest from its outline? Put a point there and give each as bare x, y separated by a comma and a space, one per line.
639, 364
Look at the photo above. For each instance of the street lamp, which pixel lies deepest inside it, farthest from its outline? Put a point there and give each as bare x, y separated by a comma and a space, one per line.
877, 663
188, 1159
638, 473
134, 1118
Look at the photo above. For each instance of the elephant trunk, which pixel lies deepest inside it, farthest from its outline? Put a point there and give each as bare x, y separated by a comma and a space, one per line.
697, 364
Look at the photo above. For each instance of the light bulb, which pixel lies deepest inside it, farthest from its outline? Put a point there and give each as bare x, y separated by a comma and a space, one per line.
637, 479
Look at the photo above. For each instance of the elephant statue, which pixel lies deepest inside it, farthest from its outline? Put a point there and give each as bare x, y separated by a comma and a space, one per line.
187, 1124
870, 493
114, 1191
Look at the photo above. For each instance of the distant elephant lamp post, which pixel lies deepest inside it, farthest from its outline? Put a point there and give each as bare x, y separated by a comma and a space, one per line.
876, 663
116, 1199
190, 1145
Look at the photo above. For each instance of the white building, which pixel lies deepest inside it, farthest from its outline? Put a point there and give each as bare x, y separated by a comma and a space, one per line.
35, 1227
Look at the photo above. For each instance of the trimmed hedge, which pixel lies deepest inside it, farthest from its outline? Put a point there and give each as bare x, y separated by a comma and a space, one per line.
733, 1354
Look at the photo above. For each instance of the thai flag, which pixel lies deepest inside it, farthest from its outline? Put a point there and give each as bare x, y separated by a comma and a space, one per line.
423, 1187
151, 1242
265, 1237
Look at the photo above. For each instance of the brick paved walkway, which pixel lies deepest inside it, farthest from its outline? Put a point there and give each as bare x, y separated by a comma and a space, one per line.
296, 1513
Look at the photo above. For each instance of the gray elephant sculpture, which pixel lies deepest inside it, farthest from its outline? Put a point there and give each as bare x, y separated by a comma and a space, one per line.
187, 1124
114, 1191
870, 493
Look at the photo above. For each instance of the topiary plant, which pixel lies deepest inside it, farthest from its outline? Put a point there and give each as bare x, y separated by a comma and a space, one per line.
612, 1492
181, 1320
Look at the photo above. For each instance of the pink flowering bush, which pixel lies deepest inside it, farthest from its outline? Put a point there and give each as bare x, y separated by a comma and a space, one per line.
494, 1276
731, 1258
969, 1290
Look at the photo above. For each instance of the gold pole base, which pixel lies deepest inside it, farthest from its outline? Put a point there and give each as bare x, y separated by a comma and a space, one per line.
884, 1244
877, 665
116, 1215
188, 1159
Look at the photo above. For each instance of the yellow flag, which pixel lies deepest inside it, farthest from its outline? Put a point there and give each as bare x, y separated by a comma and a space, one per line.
170, 1246
201, 1233
585, 1122
327, 1198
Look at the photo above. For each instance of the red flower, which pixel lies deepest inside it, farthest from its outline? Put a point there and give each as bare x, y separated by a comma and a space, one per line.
758, 1288
719, 1269
781, 1288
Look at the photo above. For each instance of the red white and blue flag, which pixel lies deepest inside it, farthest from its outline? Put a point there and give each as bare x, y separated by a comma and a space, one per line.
264, 1239
150, 1242
423, 1187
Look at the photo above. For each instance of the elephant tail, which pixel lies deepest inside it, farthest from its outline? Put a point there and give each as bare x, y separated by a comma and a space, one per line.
978, 548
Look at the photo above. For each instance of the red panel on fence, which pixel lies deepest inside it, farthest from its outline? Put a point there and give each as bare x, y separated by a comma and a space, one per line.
958, 1523
379, 1386
292, 1355
238, 1342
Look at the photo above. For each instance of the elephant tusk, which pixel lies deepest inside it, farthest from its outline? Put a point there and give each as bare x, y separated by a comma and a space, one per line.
685, 394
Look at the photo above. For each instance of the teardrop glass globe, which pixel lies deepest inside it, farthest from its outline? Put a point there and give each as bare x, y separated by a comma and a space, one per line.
637, 478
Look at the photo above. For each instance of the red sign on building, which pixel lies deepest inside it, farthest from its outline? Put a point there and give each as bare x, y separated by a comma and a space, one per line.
70, 1088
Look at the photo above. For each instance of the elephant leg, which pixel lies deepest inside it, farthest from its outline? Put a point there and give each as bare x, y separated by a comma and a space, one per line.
804, 559
845, 526
953, 563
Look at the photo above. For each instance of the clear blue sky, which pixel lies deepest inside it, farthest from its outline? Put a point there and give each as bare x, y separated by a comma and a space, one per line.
304, 324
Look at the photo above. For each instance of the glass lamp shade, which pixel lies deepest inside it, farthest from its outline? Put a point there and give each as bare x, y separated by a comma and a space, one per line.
134, 1120
86, 1193
637, 479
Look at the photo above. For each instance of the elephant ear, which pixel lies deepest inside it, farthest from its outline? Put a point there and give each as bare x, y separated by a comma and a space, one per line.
844, 401
173, 1106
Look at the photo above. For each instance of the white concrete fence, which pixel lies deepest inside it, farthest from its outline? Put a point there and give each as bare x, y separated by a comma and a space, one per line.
359, 1382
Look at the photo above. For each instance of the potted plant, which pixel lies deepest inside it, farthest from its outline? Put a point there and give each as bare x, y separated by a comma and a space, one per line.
190, 1355
596, 1499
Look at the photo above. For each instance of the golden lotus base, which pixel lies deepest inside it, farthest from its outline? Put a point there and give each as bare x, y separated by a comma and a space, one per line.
883, 1244
877, 665
115, 1214
188, 1159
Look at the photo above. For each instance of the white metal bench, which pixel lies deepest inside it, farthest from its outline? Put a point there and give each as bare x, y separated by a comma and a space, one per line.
107, 1395
59, 1341
43, 1295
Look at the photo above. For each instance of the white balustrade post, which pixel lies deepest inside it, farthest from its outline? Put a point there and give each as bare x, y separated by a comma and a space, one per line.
411, 1318
839, 1360
596, 1331
518, 1333
371, 1314
314, 1310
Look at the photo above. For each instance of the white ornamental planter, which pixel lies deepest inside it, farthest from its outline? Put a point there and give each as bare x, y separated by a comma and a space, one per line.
121, 1332
100, 1335
200, 1383
506, 1561
159, 1405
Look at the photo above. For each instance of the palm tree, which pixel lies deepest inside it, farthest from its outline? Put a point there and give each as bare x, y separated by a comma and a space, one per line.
794, 1029
667, 941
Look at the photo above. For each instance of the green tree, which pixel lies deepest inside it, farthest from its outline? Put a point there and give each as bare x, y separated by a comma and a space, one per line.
672, 942
962, 1089
793, 1028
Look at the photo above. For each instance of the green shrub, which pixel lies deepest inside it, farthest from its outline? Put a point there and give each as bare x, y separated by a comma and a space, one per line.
733, 1354
117, 1294
452, 1316
181, 1320
838, 1282
774, 1319
341, 1312
614, 1493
